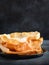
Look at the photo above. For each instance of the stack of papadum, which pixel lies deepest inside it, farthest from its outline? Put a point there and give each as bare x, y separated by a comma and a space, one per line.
21, 43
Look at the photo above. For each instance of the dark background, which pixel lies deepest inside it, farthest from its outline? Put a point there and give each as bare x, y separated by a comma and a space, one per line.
24, 15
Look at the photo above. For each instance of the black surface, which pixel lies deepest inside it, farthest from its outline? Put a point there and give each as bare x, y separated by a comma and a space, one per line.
24, 15
43, 60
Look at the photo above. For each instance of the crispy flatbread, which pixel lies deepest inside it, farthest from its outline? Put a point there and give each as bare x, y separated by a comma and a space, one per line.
21, 43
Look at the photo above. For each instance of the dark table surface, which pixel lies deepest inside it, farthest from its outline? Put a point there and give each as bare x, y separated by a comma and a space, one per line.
43, 60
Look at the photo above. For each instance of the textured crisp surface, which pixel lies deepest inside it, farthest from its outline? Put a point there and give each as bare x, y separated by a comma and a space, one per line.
21, 43
44, 60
